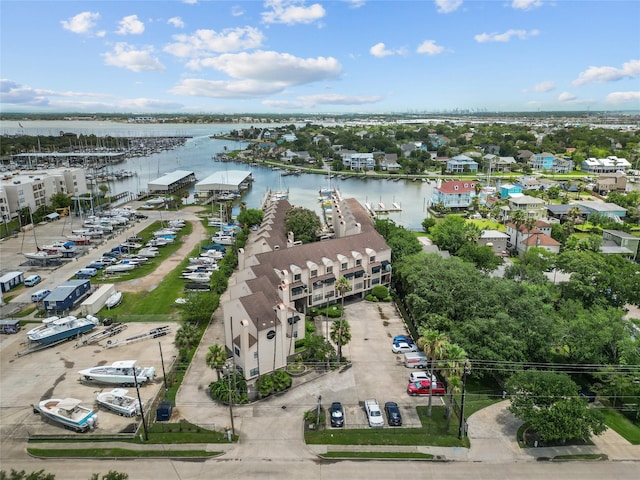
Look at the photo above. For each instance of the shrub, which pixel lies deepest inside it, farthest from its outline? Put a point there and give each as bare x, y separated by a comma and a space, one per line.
380, 292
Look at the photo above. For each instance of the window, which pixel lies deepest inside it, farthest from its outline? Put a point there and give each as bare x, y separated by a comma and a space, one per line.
330, 294
317, 298
254, 372
358, 262
313, 273
296, 277
375, 281
358, 286
344, 266
372, 258
255, 354
329, 268
236, 350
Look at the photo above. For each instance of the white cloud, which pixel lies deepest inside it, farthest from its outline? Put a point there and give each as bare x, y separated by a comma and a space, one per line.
196, 87
430, 48
630, 69
148, 104
526, 4
136, 60
447, 6
380, 50
205, 42
12, 93
543, 87
176, 22
130, 25
622, 98
81, 23
567, 97
291, 12
356, 3
506, 36
281, 68
237, 11
312, 101
190, 2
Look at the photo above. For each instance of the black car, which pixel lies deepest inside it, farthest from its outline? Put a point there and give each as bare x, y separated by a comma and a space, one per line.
336, 413
393, 414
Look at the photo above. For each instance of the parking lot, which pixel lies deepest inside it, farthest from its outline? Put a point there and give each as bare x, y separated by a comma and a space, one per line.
376, 372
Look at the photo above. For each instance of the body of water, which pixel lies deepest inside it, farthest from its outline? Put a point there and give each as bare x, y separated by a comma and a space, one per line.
197, 153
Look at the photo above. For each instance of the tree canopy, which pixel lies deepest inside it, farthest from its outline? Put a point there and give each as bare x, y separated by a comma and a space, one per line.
304, 223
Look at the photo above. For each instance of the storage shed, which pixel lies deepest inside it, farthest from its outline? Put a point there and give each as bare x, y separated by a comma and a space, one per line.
96, 301
11, 280
67, 296
9, 326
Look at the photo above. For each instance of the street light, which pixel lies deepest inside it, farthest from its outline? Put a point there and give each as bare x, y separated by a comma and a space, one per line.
466, 371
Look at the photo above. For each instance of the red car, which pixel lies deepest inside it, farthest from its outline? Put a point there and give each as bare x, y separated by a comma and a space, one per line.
422, 387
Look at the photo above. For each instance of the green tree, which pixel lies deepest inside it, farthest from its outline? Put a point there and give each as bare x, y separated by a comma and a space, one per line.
22, 475
549, 403
434, 345
304, 223
60, 200
250, 217
518, 218
216, 358
342, 329
453, 233
186, 337
483, 257
199, 307
454, 360
427, 223
111, 475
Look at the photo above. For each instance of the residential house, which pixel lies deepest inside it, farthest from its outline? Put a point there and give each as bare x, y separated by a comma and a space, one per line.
289, 137
524, 156
509, 189
462, 164
389, 162
610, 182
438, 140
560, 212
539, 236
528, 182
496, 240
542, 161
610, 210
611, 164
358, 161
278, 280
456, 194
502, 164
532, 206
619, 242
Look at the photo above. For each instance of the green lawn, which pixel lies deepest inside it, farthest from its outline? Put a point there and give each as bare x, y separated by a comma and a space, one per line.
622, 425
116, 453
405, 455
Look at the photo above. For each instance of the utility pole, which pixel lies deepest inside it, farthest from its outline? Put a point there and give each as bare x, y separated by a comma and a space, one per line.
144, 425
467, 371
231, 370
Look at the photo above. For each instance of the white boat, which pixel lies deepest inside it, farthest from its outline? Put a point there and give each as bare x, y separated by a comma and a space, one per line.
198, 277
223, 239
149, 252
159, 242
43, 255
120, 267
62, 329
118, 401
165, 231
119, 373
114, 300
45, 323
69, 413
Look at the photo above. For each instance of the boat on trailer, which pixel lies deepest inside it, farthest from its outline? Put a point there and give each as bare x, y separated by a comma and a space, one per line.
68, 412
119, 402
119, 373
63, 328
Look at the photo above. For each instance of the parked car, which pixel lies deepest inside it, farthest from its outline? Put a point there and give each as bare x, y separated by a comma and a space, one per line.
394, 418
404, 347
336, 413
417, 376
422, 387
141, 216
374, 414
112, 254
403, 338
97, 264
107, 260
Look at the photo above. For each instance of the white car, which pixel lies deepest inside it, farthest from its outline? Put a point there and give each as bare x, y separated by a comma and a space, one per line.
374, 414
404, 347
417, 376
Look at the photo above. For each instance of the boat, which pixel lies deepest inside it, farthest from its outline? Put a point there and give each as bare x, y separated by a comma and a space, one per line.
118, 401
114, 300
223, 239
43, 255
68, 412
45, 323
149, 252
120, 267
197, 277
62, 329
119, 373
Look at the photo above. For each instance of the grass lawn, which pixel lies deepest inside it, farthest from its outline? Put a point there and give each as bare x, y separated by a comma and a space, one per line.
116, 453
391, 455
622, 425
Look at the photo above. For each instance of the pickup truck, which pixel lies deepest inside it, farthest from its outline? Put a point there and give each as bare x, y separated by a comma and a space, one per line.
374, 414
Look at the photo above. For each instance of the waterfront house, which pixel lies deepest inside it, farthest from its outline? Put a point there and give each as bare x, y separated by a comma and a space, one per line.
456, 194
462, 164
532, 206
611, 164
619, 242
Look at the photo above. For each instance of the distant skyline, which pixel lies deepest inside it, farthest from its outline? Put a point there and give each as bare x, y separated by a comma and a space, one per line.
333, 57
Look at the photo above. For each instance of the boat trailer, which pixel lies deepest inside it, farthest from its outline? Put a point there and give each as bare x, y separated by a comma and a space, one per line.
110, 331
154, 333
36, 347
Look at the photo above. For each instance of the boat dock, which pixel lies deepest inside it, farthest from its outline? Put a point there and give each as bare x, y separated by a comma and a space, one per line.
382, 208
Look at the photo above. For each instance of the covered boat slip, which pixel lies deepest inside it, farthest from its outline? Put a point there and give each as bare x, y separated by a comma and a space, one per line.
171, 182
230, 181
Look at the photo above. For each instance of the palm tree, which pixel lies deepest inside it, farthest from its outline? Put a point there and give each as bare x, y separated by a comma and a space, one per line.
216, 358
342, 286
518, 218
433, 343
455, 358
186, 336
341, 335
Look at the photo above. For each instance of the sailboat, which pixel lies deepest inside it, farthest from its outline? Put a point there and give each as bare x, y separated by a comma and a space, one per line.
41, 254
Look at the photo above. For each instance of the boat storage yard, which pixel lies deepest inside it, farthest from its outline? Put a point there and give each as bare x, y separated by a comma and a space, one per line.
53, 372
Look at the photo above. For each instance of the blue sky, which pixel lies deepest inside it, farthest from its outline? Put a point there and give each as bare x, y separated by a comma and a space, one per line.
296, 56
